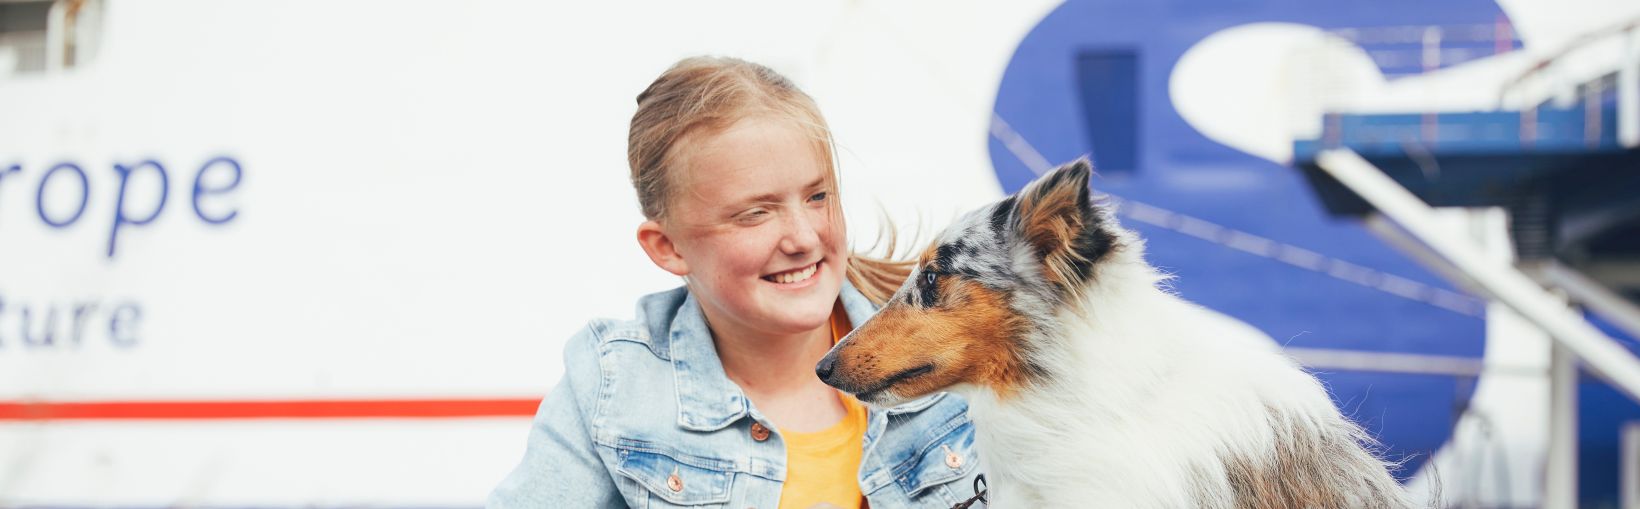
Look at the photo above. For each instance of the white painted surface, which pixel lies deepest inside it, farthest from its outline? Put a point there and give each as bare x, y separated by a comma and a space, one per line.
434, 198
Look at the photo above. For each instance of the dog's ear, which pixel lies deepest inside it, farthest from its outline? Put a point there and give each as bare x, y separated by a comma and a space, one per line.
1054, 215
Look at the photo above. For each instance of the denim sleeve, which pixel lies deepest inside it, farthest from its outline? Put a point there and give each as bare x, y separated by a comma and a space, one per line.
560, 466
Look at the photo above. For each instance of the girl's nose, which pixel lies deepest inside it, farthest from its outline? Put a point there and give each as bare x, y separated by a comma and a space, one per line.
801, 235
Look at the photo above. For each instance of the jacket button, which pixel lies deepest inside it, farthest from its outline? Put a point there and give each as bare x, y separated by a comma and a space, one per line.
759, 432
674, 483
952, 459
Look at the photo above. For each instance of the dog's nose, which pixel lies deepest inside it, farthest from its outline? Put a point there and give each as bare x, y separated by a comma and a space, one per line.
823, 370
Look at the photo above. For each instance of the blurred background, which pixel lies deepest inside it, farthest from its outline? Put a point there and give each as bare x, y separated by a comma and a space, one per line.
326, 254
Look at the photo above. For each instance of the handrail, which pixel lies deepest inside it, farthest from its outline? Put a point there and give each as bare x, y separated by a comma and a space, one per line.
1601, 354
1579, 42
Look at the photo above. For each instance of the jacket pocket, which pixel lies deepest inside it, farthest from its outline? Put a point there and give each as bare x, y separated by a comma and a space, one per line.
945, 459
678, 480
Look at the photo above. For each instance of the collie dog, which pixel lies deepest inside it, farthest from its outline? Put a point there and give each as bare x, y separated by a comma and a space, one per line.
1089, 385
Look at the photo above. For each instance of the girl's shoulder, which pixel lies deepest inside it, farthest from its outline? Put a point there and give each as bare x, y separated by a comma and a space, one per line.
650, 325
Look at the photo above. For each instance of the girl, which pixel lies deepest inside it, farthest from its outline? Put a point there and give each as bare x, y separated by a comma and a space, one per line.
709, 397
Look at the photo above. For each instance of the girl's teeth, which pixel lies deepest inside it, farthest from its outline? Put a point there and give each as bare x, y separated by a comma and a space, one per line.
793, 277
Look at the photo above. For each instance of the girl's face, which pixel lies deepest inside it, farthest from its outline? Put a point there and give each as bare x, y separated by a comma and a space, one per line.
755, 225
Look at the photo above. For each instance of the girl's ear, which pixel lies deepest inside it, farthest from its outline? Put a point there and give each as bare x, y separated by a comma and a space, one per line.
660, 248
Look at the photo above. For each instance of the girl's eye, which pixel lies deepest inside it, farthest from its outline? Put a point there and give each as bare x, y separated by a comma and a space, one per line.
752, 215
820, 196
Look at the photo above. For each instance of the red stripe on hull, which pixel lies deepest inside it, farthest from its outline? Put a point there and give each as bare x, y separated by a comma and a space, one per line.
267, 409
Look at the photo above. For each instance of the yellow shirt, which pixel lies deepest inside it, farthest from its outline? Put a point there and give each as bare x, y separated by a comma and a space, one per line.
824, 466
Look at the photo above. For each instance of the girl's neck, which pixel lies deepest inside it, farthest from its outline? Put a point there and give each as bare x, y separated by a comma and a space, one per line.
766, 364
777, 375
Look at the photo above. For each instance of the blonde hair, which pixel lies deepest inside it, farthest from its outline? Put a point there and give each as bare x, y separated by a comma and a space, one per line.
708, 94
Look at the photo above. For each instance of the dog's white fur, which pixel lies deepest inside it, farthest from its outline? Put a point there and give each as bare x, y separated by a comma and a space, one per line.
1149, 392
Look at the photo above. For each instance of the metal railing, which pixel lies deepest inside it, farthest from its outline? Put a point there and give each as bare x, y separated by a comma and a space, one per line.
1561, 78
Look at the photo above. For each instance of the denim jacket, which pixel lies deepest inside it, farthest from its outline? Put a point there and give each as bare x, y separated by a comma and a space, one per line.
645, 417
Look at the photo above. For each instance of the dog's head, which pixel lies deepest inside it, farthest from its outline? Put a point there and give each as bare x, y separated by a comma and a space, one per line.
986, 289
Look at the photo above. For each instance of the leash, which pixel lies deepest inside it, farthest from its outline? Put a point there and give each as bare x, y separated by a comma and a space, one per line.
979, 494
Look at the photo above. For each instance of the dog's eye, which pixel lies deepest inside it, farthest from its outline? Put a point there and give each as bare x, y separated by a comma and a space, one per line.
930, 288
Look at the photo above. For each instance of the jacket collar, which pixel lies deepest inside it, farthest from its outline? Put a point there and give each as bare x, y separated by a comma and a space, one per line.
707, 399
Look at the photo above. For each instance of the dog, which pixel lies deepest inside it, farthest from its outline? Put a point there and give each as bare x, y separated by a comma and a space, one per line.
1091, 385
